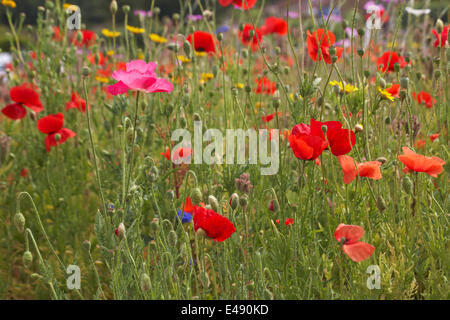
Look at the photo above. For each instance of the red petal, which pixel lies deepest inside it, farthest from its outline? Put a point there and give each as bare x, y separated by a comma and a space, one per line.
14, 111
51, 123
358, 251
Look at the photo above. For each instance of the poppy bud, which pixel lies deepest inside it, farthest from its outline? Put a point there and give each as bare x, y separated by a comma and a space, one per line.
187, 48
87, 245
366, 73
243, 201
49, 5
86, 72
145, 282
407, 185
196, 117
196, 196
332, 51
213, 203
408, 57
276, 103
19, 221
113, 6
381, 204
220, 36
396, 67
361, 52
439, 25
248, 89
274, 206
245, 53
359, 128
382, 83
170, 195
176, 16
234, 201
200, 232
404, 82
383, 160
437, 74
27, 258
173, 238
120, 231
360, 32
156, 10
278, 50
387, 120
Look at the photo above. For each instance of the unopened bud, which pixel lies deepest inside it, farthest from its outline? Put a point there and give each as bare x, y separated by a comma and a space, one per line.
213, 203
86, 72
439, 25
274, 205
145, 282
196, 196
27, 258
234, 201
113, 6
396, 67
243, 201
19, 221
407, 185
120, 231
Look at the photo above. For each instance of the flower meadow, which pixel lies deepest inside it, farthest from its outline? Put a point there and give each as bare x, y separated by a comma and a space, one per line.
99, 201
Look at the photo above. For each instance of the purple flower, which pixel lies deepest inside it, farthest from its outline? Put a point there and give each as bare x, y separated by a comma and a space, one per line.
222, 29
194, 17
142, 13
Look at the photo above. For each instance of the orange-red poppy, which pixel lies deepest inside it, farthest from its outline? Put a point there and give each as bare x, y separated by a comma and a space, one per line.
420, 163
349, 235
370, 169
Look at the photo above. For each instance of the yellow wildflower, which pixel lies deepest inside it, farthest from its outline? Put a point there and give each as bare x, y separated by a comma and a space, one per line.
110, 52
204, 77
110, 34
102, 79
135, 30
156, 38
385, 94
240, 85
183, 59
348, 87
9, 3
200, 53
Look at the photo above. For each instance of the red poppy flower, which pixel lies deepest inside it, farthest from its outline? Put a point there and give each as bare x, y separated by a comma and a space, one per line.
434, 137
288, 221
101, 58
242, 4
265, 86
202, 41
56, 34
394, 90
277, 221
217, 227
424, 97
269, 117
349, 235
187, 206
370, 169
275, 25
52, 125
326, 40
24, 172
23, 95
247, 40
306, 142
382, 61
180, 153
419, 163
441, 39
76, 102
88, 38
420, 144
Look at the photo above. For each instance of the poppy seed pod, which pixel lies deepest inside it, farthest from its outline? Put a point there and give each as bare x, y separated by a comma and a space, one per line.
396, 67
145, 283
27, 258
361, 52
332, 51
334, 59
196, 196
19, 221
404, 82
234, 201
213, 203
86, 72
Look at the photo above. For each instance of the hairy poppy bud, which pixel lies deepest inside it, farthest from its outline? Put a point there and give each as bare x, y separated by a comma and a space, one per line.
176, 17
396, 67
27, 258
361, 52
243, 201
86, 72
220, 36
113, 6
120, 231
196, 196
234, 201
381, 204
274, 206
187, 48
213, 203
360, 32
19, 221
87, 245
439, 25
156, 10
145, 282
407, 185
383, 160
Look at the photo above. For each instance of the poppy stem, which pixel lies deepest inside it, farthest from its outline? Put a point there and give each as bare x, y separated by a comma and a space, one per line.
130, 167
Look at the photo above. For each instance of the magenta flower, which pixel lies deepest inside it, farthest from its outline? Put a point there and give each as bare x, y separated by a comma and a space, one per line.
139, 76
